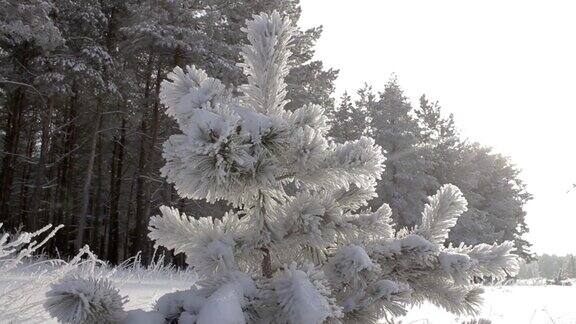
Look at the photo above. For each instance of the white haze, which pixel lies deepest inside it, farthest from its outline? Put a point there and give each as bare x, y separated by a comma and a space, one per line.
506, 69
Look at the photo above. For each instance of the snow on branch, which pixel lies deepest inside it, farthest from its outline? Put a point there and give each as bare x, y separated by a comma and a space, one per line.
210, 244
359, 162
457, 299
349, 263
376, 225
441, 213
16, 247
492, 260
312, 116
374, 302
304, 296
188, 89
354, 197
225, 300
266, 62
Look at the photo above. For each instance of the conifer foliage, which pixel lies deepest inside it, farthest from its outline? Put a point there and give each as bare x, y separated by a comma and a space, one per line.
299, 245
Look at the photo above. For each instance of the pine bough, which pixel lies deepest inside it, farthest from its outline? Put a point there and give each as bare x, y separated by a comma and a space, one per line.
298, 246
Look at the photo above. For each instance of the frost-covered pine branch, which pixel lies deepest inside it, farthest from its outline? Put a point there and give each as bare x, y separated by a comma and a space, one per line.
18, 301
304, 296
441, 213
210, 242
298, 247
266, 62
14, 248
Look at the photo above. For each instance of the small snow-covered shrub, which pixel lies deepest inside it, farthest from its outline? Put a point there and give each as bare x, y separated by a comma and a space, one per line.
18, 299
82, 290
15, 248
79, 300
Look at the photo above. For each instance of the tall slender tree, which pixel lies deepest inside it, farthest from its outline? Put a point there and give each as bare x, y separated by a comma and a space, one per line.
349, 120
407, 180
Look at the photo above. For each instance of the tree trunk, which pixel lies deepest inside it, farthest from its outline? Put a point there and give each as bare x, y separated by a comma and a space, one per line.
138, 175
115, 191
145, 161
97, 201
128, 235
138, 243
87, 182
15, 107
65, 158
260, 214
24, 183
39, 176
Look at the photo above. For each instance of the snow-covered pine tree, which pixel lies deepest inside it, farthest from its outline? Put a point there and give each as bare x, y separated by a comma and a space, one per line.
490, 182
349, 120
297, 247
407, 180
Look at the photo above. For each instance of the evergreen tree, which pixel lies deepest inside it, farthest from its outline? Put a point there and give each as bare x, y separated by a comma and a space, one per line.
86, 68
27, 32
491, 184
435, 128
445, 158
439, 136
407, 180
497, 199
308, 82
528, 270
349, 121
291, 254
432, 152
571, 266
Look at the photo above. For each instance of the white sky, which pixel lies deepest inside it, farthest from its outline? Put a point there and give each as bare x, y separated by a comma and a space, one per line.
506, 69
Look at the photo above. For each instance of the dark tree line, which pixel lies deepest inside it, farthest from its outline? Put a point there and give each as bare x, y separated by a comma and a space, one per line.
81, 125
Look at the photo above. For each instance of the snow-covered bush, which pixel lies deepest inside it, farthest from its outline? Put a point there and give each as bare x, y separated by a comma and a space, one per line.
80, 300
15, 248
18, 302
297, 247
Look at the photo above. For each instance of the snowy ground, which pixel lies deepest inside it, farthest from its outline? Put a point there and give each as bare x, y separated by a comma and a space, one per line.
503, 305
511, 305
508, 304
